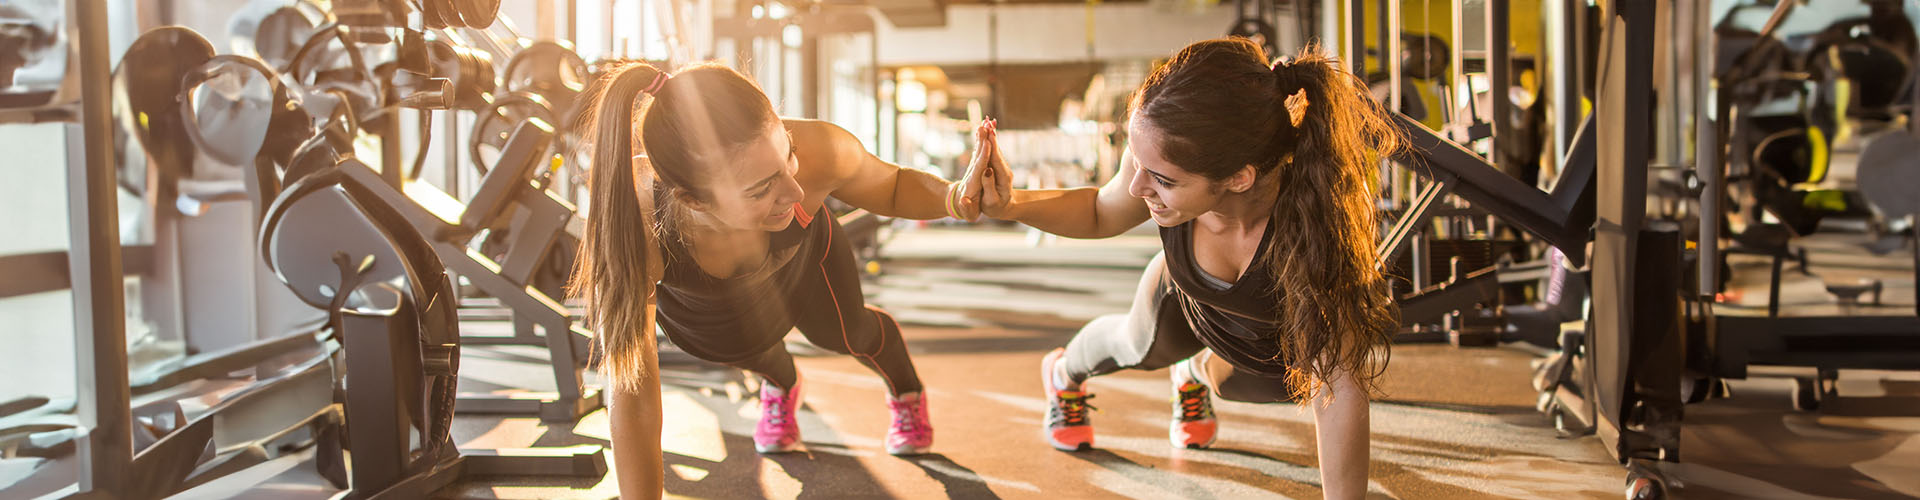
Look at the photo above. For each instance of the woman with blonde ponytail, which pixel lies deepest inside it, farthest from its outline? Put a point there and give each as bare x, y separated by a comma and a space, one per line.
707, 214
1265, 291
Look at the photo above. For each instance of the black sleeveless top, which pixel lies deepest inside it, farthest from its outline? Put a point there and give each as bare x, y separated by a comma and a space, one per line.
1240, 323
755, 307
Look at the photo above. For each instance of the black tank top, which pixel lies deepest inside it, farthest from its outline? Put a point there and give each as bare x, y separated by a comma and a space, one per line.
1240, 322
754, 306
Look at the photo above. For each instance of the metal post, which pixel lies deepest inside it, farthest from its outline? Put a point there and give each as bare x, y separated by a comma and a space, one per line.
1390, 53
1622, 98
1500, 79
100, 336
993, 64
1383, 29
873, 74
1671, 97
1421, 253
1456, 68
1565, 102
391, 166
1706, 151
1356, 36
810, 76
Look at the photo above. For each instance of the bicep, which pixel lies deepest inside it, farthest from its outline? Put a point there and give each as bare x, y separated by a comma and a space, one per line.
835, 163
865, 181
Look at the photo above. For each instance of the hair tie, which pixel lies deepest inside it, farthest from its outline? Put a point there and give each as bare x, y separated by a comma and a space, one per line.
659, 80
1289, 84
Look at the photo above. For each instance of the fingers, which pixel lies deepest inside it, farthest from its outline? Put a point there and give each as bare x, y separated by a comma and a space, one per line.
992, 145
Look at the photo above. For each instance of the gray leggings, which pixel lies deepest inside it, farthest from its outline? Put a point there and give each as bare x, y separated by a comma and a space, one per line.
1154, 334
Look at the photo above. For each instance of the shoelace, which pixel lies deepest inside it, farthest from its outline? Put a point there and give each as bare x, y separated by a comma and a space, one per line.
774, 409
906, 415
1074, 410
1193, 404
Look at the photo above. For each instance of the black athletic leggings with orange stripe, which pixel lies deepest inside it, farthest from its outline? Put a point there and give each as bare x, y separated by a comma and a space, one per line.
827, 305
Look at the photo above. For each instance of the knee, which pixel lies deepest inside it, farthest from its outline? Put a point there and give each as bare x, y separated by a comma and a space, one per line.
1234, 385
1243, 395
1104, 323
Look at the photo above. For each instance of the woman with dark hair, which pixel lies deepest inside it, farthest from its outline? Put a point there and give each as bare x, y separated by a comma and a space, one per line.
720, 223
1265, 290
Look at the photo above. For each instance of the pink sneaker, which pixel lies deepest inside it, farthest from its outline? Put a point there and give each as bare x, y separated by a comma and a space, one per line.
1066, 426
911, 433
779, 429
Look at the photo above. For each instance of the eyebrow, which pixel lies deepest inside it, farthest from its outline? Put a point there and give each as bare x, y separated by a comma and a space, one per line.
1155, 175
763, 182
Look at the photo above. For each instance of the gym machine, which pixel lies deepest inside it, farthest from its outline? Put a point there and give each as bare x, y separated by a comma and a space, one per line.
1875, 56
512, 233
1652, 339
162, 445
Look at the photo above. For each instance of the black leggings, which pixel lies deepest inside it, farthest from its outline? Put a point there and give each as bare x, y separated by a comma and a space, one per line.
871, 336
829, 309
1154, 334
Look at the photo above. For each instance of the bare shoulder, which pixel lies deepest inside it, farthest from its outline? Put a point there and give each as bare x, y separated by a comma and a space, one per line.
824, 139
828, 154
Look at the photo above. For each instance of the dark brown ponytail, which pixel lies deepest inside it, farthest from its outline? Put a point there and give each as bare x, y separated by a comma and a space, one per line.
611, 272
1324, 269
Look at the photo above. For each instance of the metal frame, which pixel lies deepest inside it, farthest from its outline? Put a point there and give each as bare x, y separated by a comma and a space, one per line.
1621, 109
99, 307
1707, 166
539, 215
1560, 218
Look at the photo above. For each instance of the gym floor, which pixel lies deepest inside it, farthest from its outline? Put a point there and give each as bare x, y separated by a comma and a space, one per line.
981, 307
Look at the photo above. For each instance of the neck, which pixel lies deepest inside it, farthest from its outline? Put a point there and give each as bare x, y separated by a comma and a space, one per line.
1247, 211
698, 223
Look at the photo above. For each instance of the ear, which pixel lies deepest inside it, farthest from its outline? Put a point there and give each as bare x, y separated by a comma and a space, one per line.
1242, 180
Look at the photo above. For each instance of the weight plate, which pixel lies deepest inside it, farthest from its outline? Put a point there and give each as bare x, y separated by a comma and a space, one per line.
1889, 173
145, 88
478, 14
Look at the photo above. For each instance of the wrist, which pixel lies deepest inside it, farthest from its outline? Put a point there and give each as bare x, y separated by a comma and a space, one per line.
1013, 209
946, 201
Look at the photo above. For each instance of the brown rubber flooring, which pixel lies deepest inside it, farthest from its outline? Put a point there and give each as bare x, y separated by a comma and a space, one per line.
982, 307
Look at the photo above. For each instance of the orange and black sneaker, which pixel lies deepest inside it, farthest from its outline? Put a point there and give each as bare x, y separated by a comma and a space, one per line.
1067, 428
1193, 423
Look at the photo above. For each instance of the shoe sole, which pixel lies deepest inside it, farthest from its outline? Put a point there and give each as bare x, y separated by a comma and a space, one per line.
1195, 446
1064, 447
902, 452
770, 450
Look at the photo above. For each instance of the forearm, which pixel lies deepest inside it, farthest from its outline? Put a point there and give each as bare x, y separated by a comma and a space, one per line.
917, 195
1074, 213
1343, 436
635, 418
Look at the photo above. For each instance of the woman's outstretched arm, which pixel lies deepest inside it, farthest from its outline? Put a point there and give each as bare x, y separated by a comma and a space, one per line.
1084, 212
844, 169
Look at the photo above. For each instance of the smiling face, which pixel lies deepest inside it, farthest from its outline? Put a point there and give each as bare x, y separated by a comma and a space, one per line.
1174, 195
751, 187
